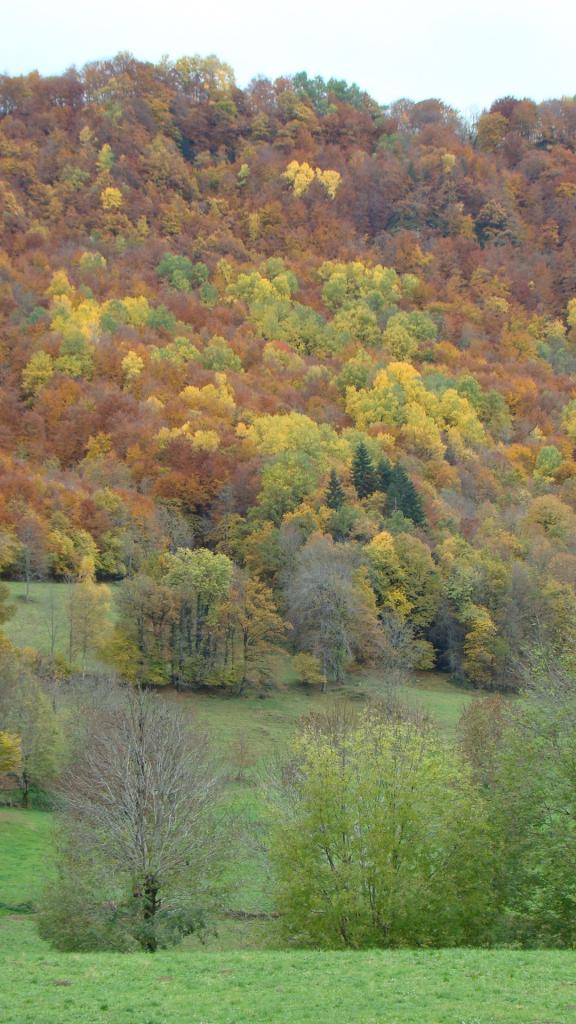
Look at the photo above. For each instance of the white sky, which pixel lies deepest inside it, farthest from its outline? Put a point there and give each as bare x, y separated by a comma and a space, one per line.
465, 53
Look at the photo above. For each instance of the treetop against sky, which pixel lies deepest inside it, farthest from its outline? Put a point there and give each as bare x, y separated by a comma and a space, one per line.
466, 55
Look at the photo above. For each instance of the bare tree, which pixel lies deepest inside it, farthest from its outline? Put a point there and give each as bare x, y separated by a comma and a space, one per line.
52, 620
179, 529
330, 607
140, 797
87, 608
33, 558
398, 655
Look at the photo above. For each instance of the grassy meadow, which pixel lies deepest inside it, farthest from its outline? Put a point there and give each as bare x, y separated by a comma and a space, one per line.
447, 987
41, 621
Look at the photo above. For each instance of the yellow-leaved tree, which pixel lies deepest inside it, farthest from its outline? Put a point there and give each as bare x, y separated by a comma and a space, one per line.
132, 366
111, 198
38, 371
300, 176
88, 622
10, 751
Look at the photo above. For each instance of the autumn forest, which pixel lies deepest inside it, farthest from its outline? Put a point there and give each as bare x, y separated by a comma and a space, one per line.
312, 353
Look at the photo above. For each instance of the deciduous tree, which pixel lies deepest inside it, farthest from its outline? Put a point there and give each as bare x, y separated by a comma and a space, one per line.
381, 840
141, 833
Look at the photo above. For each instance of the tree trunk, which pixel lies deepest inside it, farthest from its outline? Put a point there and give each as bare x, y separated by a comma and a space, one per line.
244, 676
25, 790
151, 905
324, 686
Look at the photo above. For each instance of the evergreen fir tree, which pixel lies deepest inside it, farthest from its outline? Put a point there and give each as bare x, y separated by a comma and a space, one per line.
383, 474
363, 475
403, 496
335, 496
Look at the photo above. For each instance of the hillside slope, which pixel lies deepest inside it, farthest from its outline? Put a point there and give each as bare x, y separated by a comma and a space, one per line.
209, 297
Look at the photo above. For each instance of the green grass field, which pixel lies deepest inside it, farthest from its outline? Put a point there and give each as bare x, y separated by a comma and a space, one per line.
238, 977
25, 843
41, 621
447, 987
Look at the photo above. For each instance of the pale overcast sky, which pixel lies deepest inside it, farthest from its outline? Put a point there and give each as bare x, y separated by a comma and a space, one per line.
464, 53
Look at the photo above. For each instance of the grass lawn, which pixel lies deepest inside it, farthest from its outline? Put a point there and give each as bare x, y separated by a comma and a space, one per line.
444, 987
216, 984
25, 843
41, 621
31, 623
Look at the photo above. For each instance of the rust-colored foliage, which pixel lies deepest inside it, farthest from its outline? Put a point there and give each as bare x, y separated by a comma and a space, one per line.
165, 282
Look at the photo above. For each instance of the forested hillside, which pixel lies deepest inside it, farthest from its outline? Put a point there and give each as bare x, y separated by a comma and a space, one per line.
296, 366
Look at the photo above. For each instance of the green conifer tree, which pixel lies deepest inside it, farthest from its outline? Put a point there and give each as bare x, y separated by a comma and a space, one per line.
383, 474
335, 496
363, 475
403, 496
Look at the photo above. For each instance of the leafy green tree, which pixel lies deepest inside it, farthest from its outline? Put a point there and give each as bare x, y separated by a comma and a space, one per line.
29, 713
482, 731
355, 373
200, 580
257, 630
181, 273
88, 608
335, 496
404, 578
341, 522
219, 356
383, 840
363, 476
480, 645
534, 810
6, 609
399, 341
141, 645
308, 669
38, 371
286, 481
548, 462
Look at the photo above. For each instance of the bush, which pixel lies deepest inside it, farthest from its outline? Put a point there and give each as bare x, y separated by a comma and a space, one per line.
382, 841
309, 670
74, 917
